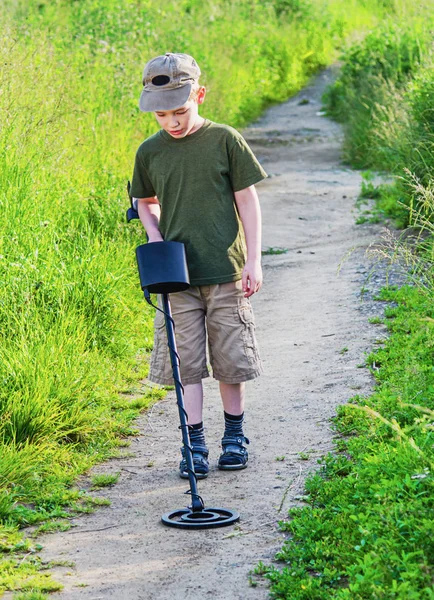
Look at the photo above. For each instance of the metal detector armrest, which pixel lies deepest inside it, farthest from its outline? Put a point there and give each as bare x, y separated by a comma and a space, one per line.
132, 214
132, 211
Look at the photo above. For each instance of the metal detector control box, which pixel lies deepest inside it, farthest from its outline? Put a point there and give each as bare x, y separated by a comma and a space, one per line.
163, 267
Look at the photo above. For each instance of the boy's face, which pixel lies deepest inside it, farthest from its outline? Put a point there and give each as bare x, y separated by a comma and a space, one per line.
184, 120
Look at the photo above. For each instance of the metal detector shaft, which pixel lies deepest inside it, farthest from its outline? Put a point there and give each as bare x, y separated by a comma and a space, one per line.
196, 500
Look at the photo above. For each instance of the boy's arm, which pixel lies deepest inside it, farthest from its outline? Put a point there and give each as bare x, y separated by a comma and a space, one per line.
250, 214
149, 213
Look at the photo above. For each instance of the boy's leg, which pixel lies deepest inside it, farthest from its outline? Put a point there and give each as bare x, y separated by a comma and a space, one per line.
189, 316
232, 397
193, 402
235, 359
234, 455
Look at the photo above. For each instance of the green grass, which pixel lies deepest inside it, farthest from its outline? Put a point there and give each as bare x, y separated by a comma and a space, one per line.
274, 250
104, 480
384, 98
31, 596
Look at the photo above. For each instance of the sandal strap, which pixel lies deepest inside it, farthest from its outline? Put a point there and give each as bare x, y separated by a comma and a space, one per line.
200, 461
197, 449
238, 440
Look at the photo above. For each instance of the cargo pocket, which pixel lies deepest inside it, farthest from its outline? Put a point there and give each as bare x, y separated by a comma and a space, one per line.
245, 314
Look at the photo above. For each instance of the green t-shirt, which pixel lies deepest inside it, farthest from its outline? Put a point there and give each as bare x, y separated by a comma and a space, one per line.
195, 178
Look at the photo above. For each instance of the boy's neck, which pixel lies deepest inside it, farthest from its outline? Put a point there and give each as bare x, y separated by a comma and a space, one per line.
197, 125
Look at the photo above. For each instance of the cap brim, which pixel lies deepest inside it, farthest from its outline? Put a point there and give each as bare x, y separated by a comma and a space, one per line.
151, 101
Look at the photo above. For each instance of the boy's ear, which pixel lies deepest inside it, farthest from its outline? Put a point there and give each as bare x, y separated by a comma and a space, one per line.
201, 93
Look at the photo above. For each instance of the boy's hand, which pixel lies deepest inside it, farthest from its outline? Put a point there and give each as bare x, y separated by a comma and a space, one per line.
252, 278
250, 214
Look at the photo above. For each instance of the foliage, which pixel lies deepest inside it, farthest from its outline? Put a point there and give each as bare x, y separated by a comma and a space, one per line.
31, 596
104, 480
384, 97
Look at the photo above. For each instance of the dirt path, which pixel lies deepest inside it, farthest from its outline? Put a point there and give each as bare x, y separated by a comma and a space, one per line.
312, 335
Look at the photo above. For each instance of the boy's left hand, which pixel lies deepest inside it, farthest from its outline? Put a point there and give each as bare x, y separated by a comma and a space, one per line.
252, 278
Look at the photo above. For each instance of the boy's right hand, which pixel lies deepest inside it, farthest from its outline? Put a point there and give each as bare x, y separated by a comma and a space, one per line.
252, 277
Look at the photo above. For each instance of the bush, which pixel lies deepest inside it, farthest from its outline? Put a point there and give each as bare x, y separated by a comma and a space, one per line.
384, 98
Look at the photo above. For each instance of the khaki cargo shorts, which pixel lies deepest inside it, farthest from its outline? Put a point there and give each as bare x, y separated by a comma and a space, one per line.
217, 312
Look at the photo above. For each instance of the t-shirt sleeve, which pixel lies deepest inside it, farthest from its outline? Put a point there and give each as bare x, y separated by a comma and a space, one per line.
141, 186
245, 169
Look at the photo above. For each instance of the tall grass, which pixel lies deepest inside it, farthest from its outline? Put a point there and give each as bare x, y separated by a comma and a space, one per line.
384, 98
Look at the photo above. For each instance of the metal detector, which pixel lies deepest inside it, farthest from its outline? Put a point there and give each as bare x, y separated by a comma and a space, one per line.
163, 270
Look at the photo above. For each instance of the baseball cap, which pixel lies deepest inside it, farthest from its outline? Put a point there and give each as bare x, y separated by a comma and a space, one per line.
167, 82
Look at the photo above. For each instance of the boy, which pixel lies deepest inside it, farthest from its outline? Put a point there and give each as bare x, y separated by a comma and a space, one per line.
193, 182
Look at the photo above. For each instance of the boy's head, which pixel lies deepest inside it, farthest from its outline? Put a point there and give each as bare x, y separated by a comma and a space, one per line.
168, 82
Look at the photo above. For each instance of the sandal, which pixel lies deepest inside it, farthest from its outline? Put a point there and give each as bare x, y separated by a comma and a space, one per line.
235, 455
200, 463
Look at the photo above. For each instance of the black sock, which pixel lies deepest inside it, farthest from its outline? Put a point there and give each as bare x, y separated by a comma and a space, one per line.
234, 424
197, 434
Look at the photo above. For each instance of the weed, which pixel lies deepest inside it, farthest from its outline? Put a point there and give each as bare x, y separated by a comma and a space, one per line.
59, 563
368, 189
274, 250
31, 596
376, 320
390, 312
260, 569
120, 454
122, 443
52, 527
304, 455
104, 480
